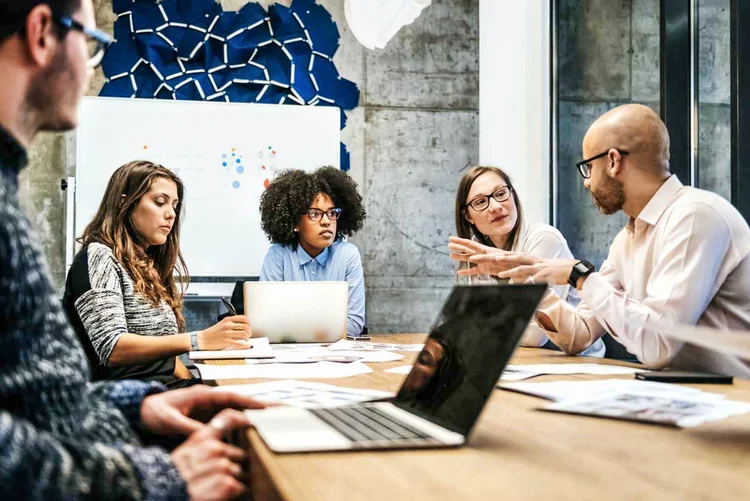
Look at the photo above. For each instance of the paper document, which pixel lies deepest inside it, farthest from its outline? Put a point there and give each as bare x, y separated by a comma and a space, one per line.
347, 345
306, 394
732, 342
520, 372
322, 354
577, 390
260, 349
403, 369
317, 370
684, 411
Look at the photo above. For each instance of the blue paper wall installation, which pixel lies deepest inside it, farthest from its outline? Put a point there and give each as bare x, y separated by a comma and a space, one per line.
193, 49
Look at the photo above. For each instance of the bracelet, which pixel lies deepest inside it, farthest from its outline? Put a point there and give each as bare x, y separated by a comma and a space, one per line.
194, 341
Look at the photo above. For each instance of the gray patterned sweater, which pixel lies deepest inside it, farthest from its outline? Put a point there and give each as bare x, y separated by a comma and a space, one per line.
102, 304
61, 437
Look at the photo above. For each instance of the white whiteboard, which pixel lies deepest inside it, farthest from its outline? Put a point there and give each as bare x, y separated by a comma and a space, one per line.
221, 234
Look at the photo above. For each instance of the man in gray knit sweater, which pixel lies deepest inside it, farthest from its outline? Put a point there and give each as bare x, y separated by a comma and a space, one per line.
62, 437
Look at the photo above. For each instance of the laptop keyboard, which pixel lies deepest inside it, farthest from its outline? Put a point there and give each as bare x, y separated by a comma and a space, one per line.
365, 424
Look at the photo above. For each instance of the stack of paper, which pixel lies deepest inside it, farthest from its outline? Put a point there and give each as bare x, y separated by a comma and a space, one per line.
634, 400
572, 390
305, 394
347, 345
259, 349
520, 372
317, 370
683, 412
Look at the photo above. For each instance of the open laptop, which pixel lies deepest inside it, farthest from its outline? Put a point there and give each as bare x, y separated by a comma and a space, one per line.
471, 342
297, 312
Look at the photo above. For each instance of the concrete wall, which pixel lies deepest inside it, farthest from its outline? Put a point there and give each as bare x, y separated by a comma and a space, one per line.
609, 55
414, 132
417, 128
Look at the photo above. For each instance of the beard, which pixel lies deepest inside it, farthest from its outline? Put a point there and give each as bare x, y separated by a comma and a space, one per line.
609, 197
54, 95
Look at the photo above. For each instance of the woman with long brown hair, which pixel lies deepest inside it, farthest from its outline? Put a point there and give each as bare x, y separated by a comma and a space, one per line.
488, 211
123, 293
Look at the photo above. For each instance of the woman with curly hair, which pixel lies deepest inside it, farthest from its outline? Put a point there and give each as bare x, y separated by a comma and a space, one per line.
306, 215
121, 294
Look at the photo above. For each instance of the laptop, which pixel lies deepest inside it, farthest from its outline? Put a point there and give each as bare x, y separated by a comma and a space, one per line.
440, 400
297, 312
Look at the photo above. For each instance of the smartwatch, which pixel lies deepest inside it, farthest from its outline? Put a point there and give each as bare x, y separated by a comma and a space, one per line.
580, 269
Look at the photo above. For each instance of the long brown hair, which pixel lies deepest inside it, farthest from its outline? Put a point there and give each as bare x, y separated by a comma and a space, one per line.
464, 228
152, 268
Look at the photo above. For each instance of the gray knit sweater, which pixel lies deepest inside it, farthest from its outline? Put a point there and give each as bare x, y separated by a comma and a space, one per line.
61, 437
102, 303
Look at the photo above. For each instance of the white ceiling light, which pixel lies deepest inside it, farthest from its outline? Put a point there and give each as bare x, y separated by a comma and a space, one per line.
374, 22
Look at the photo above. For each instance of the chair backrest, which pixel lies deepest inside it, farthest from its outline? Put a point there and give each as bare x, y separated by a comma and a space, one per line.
238, 297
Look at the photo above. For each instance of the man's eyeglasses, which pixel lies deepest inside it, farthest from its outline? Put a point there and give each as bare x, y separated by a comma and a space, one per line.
585, 169
316, 215
481, 202
97, 41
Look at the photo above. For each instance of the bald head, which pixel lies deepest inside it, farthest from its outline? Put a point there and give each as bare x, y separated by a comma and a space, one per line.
634, 128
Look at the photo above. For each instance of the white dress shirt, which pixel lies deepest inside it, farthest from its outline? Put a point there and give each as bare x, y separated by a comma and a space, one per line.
544, 241
684, 259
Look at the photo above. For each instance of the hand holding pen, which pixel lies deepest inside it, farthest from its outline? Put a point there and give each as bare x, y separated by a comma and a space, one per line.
232, 332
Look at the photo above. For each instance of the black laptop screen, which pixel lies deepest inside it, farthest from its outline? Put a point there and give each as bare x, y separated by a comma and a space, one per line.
467, 350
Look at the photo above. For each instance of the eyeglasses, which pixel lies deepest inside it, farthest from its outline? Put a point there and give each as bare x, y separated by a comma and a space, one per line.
97, 41
585, 169
481, 202
316, 215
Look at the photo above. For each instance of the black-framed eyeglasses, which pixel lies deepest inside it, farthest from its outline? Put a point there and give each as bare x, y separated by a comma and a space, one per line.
97, 41
316, 215
481, 202
584, 169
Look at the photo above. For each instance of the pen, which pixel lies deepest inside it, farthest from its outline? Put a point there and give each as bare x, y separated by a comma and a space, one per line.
229, 306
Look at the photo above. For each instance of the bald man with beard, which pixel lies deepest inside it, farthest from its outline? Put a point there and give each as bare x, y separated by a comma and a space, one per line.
682, 258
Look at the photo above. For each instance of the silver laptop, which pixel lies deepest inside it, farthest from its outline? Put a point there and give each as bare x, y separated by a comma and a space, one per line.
297, 312
443, 395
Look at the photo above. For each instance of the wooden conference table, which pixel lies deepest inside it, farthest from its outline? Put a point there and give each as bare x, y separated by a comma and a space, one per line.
516, 452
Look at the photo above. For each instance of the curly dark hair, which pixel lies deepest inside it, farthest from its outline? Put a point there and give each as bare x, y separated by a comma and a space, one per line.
291, 193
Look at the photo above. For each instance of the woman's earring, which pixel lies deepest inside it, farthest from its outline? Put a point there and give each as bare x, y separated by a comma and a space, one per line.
296, 230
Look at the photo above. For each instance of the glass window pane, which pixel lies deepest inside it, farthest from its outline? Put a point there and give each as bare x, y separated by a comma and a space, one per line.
714, 88
608, 54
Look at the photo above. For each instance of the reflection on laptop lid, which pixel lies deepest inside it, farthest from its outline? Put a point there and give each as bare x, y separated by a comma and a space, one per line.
469, 346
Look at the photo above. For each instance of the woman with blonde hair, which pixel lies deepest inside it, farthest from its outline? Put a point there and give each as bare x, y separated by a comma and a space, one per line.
124, 292
488, 211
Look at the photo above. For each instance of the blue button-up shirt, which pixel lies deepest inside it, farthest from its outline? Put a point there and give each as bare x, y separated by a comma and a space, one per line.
339, 262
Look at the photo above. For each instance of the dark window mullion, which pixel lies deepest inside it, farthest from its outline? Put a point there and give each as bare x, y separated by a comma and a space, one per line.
678, 84
740, 103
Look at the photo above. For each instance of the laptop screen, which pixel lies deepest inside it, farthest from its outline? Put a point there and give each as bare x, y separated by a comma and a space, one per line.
467, 350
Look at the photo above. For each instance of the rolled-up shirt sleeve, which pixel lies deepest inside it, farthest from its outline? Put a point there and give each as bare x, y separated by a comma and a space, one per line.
683, 282
576, 328
682, 279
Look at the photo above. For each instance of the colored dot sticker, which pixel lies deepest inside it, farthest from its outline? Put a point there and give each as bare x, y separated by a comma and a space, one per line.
233, 148
238, 160
145, 146
224, 155
266, 183
263, 167
269, 148
236, 184
240, 169
224, 164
